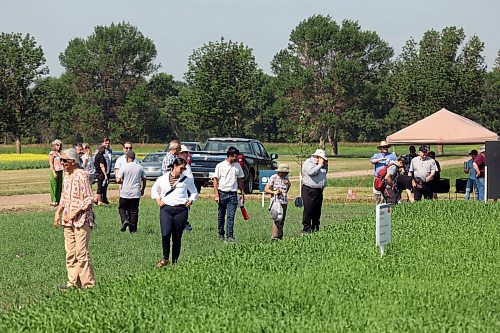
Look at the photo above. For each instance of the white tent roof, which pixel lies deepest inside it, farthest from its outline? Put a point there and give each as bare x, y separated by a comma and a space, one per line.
443, 127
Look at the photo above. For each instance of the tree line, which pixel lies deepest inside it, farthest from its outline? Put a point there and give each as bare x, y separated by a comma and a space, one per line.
334, 81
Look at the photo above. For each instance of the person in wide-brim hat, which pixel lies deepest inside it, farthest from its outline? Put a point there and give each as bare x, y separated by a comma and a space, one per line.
320, 153
283, 167
383, 144
278, 186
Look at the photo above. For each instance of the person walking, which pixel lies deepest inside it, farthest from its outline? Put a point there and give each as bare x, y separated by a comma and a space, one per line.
77, 216
228, 177
88, 162
314, 171
100, 165
56, 172
278, 186
130, 176
422, 170
171, 194
471, 179
379, 161
174, 148
479, 165
108, 155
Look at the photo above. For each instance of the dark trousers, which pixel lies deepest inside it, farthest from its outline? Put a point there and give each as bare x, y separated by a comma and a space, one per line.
313, 201
390, 195
425, 191
228, 201
129, 210
101, 189
172, 222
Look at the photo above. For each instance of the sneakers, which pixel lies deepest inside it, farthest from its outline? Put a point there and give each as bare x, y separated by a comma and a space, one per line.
66, 287
125, 224
221, 237
188, 227
230, 240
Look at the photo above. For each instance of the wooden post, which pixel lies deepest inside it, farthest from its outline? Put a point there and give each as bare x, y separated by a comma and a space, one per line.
440, 149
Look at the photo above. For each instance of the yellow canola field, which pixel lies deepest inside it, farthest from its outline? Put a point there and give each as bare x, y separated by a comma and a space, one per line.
23, 157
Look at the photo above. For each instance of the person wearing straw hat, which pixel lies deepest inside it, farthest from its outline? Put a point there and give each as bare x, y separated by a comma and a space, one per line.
278, 186
381, 160
314, 171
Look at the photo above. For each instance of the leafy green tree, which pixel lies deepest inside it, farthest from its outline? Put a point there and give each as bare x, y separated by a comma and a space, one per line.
222, 90
325, 72
21, 63
437, 73
107, 67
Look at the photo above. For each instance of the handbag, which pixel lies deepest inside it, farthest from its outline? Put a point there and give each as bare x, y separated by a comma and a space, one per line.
276, 210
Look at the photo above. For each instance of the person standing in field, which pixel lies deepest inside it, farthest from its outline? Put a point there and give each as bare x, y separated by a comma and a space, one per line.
391, 192
228, 177
479, 165
174, 148
101, 175
130, 176
379, 161
171, 194
278, 186
108, 155
437, 176
184, 153
422, 170
314, 171
56, 172
471, 180
88, 162
77, 216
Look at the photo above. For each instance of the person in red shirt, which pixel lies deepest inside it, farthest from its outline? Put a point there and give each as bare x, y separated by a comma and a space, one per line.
479, 165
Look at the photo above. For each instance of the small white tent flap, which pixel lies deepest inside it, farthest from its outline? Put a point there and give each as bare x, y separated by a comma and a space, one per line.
443, 127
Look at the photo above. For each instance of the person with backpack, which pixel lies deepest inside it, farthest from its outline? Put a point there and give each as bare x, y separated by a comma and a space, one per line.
171, 194
386, 181
379, 161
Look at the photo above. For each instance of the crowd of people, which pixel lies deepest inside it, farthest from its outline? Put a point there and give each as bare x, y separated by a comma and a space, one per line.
417, 174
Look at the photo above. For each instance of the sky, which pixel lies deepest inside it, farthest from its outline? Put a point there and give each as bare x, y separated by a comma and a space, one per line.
177, 27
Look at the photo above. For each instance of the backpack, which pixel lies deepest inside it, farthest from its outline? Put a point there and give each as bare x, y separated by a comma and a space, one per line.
379, 182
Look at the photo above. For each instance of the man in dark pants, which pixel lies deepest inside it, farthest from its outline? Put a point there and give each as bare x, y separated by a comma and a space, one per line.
228, 177
314, 172
422, 170
130, 176
108, 155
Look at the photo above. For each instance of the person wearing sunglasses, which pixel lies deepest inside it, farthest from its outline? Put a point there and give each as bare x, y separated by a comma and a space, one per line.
56, 172
76, 216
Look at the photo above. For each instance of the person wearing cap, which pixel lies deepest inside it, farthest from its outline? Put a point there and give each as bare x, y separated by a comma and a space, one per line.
130, 176
314, 171
278, 186
479, 165
422, 170
184, 153
380, 160
471, 180
76, 216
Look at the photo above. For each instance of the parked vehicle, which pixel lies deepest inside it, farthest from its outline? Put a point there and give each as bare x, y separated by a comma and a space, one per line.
114, 156
152, 165
253, 158
192, 146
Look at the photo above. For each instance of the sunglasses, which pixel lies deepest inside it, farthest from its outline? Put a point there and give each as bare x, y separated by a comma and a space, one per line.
67, 160
128, 148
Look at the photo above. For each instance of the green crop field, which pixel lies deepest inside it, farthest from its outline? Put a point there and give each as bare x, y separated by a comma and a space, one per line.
439, 274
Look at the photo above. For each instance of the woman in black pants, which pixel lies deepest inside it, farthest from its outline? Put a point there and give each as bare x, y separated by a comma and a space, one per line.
171, 194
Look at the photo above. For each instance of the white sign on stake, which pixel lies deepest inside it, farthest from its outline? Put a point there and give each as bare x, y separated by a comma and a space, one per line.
383, 226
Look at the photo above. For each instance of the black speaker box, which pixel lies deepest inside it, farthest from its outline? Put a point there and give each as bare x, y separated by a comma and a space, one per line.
493, 164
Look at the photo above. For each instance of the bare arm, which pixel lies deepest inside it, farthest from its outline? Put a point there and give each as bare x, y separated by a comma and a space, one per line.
216, 189
476, 167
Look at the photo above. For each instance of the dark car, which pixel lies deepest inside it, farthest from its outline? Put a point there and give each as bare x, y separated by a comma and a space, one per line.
152, 165
114, 156
253, 158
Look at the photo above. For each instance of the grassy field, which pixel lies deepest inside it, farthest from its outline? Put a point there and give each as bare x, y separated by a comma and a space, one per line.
32, 252
439, 274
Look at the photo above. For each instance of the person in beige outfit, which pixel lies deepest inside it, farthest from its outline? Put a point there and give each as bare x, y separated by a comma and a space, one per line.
75, 210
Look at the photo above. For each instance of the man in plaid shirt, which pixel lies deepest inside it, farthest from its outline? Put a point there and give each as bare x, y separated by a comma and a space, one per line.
174, 147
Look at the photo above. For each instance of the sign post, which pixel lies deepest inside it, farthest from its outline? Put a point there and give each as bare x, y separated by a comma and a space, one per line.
264, 176
383, 226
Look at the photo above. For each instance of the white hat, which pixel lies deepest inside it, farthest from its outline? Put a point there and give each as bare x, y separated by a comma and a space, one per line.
283, 167
383, 144
482, 149
320, 153
184, 149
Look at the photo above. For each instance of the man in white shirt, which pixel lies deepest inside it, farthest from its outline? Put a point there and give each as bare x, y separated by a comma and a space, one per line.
228, 178
130, 176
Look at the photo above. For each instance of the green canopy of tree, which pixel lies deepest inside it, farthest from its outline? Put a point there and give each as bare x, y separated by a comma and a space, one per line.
21, 63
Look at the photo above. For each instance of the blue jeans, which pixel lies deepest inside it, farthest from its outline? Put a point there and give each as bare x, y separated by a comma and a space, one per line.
471, 186
480, 188
227, 201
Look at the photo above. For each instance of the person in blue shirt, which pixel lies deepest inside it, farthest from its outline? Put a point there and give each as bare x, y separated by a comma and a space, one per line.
471, 181
380, 160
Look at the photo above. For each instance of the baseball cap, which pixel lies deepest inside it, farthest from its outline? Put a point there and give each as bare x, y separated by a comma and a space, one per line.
423, 149
482, 149
184, 149
473, 152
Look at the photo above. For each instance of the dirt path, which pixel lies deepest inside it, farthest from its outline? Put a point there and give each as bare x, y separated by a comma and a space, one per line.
37, 202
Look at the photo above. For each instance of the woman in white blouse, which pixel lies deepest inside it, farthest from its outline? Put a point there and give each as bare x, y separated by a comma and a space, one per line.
171, 194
